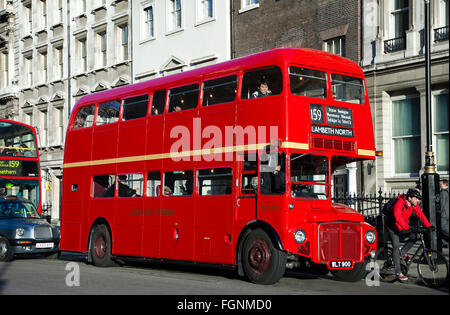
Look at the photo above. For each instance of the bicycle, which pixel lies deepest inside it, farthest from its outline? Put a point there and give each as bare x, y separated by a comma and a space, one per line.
432, 266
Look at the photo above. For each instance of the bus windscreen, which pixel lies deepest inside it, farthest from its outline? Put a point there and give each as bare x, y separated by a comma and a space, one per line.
16, 140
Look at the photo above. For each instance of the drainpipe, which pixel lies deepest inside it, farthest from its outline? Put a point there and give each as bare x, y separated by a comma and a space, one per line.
69, 69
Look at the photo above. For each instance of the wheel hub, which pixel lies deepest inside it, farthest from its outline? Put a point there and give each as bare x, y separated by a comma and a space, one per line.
259, 256
100, 246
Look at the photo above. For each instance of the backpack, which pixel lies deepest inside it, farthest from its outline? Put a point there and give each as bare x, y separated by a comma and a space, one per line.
387, 207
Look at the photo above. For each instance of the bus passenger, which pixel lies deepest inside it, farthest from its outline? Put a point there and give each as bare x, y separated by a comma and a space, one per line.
124, 189
9, 150
79, 122
263, 89
167, 191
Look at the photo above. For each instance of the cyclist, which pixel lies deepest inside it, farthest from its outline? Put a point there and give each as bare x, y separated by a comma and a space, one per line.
397, 224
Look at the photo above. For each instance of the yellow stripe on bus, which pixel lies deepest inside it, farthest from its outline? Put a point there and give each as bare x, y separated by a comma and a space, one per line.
173, 155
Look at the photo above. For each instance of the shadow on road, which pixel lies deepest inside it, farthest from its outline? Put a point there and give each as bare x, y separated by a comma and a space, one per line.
3, 282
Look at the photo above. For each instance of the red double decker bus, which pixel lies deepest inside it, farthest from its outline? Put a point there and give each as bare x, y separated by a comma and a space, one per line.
19, 162
229, 164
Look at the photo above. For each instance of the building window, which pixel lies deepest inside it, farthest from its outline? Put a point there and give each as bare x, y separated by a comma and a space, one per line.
122, 36
336, 46
59, 62
82, 54
149, 22
43, 124
441, 32
205, 10
28, 18
60, 12
175, 14
248, 5
43, 63
406, 135
4, 74
44, 13
441, 131
28, 63
58, 125
399, 24
101, 58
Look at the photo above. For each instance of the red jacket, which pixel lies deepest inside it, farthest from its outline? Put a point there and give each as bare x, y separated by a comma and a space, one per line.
402, 213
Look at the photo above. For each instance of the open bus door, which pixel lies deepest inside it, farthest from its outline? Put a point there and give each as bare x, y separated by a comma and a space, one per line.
272, 185
247, 188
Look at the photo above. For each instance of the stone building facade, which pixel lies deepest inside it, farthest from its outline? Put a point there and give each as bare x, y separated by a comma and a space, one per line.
58, 51
394, 64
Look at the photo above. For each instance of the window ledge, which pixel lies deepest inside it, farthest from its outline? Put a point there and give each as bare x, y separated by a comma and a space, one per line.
249, 8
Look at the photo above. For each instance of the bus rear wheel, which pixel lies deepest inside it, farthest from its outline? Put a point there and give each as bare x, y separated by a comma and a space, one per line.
261, 261
100, 247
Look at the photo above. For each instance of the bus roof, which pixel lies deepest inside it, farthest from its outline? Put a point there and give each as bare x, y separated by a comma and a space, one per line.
301, 56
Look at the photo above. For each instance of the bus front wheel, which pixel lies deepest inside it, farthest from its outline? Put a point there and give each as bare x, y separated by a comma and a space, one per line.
261, 261
100, 247
352, 275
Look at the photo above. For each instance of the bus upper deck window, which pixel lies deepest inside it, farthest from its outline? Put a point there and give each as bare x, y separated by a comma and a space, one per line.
108, 112
135, 107
347, 89
270, 77
84, 117
219, 91
308, 82
182, 98
158, 102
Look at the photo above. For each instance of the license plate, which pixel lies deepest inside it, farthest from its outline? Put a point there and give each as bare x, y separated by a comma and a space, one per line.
44, 245
341, 264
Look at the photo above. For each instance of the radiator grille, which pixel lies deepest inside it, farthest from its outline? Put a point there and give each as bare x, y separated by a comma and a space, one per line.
322, 143
42, 232
339, 241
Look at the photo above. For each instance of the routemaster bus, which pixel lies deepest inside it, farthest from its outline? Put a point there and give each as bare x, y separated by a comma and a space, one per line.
199, 167
19, 162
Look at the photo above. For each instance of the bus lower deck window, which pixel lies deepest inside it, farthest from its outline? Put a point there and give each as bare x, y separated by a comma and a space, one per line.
103, 186
215, 181
178, 183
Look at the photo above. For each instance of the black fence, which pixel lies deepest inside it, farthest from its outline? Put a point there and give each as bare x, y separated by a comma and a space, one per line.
369, 205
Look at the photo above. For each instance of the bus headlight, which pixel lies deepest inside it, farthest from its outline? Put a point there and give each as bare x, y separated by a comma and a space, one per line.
300, 236
370, 237
20, 231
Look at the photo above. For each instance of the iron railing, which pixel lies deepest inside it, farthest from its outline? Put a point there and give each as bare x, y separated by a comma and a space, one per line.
441, 34
394, 44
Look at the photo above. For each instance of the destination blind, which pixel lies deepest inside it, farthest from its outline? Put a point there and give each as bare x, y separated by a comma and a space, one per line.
335, 116
19, 168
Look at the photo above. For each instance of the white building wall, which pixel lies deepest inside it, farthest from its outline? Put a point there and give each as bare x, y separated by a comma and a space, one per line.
399, 74
198, 42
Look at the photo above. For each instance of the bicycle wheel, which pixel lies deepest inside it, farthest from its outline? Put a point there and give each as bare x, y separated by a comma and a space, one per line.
387, 269
433, 269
